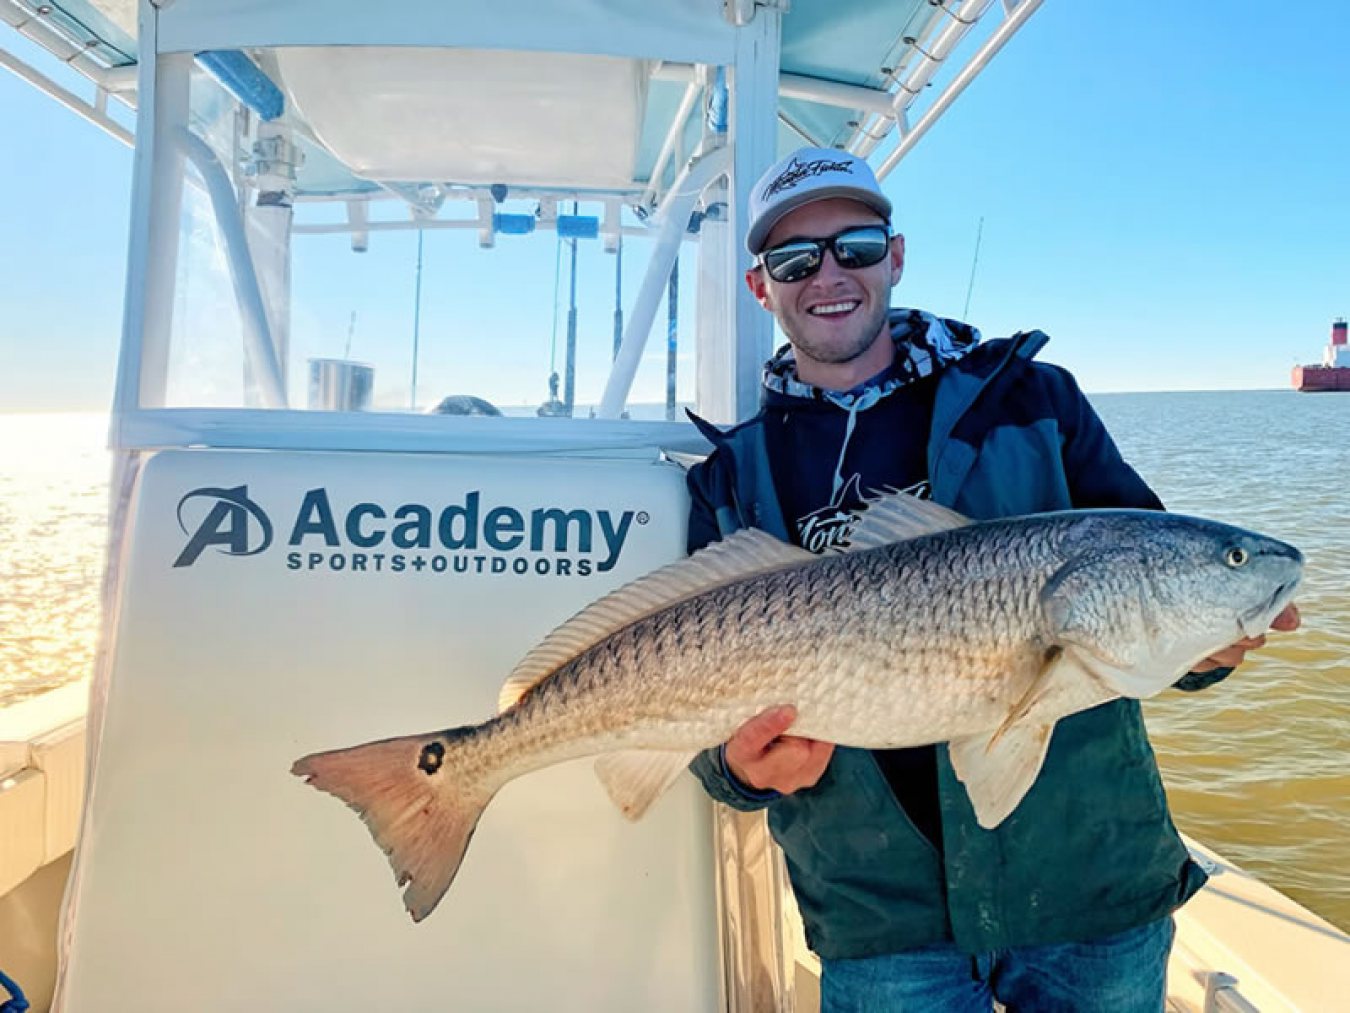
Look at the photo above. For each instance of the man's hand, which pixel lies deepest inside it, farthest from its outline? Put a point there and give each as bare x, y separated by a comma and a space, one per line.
762, 757
1231, 657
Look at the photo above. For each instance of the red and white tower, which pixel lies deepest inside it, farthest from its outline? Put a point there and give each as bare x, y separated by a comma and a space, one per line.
1337, 352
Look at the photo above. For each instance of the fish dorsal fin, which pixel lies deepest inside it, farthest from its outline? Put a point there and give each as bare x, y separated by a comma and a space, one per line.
743, 554
895, 516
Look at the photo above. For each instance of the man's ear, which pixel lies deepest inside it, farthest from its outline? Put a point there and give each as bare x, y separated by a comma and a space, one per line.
897, 258
754, 280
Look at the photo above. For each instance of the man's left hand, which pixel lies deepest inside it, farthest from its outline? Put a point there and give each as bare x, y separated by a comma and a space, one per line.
1231, 657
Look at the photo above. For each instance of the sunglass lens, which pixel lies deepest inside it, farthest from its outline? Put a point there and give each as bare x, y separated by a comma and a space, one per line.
793, 261
861, 248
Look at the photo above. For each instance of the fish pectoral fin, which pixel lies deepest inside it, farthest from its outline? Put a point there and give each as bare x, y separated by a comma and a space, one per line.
998, 770
1037, 692
636, 778
896, 516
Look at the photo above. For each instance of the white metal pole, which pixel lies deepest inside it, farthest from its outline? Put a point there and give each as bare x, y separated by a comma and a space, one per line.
835, 93
157, 207
269, 241
417, 326
268, 218
259, 349
95, 114
684, 194
968, 73
812, 89
754, 139
959, 23
691, 93
714, 363
960, 18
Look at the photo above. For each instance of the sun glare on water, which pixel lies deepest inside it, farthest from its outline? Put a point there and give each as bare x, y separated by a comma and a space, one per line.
53, 530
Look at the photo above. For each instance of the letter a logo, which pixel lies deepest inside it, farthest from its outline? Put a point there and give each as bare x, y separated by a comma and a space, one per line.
226, 524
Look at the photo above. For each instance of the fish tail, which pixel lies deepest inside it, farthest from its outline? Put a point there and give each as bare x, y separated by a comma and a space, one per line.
418, 807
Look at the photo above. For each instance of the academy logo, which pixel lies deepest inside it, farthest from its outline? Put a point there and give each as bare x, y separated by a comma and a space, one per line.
234, 523
466, 536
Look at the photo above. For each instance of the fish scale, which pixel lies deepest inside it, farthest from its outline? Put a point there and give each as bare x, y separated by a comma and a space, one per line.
785, 645
981, 635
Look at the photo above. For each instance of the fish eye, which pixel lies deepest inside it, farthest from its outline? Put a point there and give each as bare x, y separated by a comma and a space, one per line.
1235, 556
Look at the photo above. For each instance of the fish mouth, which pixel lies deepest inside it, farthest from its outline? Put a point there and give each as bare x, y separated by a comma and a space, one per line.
1256, 621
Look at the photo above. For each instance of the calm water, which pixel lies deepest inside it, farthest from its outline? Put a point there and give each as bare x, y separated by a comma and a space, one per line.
1258, 767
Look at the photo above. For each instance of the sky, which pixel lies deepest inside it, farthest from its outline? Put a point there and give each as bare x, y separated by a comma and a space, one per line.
1166, 197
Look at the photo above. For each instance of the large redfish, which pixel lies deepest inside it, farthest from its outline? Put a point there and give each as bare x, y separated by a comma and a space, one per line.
927, 629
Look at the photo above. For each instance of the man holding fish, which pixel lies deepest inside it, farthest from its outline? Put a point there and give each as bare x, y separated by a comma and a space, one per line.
911, 899
990, 823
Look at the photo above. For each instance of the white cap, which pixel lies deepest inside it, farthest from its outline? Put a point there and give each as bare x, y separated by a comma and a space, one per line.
806, 175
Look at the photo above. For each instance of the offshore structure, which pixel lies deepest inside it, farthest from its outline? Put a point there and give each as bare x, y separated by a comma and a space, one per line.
1334, 371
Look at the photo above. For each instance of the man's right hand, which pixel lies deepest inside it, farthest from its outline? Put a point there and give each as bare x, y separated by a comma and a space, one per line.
761, 756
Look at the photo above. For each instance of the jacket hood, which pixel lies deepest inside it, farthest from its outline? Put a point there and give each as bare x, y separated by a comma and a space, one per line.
924, 344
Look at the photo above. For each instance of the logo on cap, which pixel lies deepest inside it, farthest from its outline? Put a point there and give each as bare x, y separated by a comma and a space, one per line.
797, 171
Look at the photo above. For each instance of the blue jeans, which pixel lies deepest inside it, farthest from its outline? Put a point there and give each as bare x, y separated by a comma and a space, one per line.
1126, 973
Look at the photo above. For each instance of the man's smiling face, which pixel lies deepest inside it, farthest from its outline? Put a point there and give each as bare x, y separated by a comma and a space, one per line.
836, 318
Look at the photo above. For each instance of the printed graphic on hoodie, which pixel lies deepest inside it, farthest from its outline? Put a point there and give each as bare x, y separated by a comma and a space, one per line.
830, 526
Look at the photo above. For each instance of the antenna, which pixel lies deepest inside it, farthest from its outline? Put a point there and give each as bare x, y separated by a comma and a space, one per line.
672, 330
618, 295
351, 329
417, 324
979, 233
553, 407
570, 364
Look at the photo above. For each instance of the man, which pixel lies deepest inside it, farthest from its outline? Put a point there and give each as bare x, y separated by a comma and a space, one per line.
908, 901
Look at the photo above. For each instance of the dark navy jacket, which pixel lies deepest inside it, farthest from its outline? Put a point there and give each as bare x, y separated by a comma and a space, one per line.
1091, 851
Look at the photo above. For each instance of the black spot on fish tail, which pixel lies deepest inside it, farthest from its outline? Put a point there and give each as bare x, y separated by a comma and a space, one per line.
431, 758
1052, 654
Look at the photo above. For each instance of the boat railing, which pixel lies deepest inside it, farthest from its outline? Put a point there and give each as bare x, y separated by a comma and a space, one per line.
1222, 995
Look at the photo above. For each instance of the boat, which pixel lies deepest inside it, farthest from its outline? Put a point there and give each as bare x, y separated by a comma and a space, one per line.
1333, 373
294, 565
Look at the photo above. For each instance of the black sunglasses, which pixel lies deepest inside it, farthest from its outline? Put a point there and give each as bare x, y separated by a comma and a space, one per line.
855, 248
